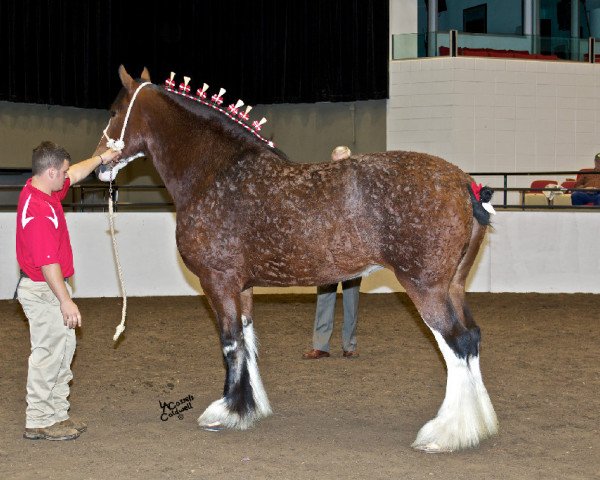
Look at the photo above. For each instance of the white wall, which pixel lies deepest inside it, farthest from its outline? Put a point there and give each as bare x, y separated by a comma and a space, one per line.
523, 252
404, 16
488, 114
403, 27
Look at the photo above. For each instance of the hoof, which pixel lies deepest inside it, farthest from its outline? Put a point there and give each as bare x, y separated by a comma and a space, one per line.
213, 427
431, 448
218, 415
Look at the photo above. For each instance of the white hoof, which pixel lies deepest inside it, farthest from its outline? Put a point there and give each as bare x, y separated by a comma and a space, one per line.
219, 416
213, 427
430, 448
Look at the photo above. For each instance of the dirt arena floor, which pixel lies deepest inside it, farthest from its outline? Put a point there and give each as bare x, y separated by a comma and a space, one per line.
334, 418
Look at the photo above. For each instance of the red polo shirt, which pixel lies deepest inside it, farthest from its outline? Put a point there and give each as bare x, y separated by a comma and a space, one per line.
42, 234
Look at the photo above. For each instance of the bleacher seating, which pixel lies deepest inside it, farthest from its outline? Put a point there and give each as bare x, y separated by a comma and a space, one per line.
491, 52
537, 198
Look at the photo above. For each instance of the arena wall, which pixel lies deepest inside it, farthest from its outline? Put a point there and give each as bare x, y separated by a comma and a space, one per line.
496, 114
547, 252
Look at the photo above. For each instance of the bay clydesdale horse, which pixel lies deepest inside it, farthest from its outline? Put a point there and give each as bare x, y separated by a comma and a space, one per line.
247, 216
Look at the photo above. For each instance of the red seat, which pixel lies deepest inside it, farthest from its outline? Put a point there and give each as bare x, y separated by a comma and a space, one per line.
537, 198
542, 183
492, 52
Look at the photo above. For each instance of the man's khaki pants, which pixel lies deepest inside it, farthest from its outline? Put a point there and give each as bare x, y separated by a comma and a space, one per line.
52, 349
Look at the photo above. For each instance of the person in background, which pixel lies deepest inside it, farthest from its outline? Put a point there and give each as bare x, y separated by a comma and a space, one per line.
588, 181
46, 260
326, 297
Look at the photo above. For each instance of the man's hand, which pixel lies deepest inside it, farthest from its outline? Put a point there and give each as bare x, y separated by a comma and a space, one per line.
109, 156
54, 278
79, 171
70, 312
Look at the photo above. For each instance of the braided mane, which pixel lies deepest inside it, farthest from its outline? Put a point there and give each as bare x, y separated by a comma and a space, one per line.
232, 111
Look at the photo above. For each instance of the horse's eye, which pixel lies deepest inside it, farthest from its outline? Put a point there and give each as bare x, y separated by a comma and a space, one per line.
112, 113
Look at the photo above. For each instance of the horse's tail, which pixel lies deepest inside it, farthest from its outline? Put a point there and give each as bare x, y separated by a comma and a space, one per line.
481, 214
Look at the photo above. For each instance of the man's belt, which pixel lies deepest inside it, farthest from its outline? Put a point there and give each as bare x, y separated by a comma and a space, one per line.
23, 275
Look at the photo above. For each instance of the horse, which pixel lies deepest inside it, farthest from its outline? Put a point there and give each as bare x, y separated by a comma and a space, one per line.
248, 216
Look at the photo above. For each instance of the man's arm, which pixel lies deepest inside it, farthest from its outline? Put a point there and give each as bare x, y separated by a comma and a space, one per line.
79, 171
55, 280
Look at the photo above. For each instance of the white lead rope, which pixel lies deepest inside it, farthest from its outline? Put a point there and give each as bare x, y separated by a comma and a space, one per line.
119, 145
111, 218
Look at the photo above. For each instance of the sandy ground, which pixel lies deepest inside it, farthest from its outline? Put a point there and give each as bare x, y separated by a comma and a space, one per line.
335, 417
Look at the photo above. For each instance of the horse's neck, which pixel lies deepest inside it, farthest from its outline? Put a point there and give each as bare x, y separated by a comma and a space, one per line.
185, 149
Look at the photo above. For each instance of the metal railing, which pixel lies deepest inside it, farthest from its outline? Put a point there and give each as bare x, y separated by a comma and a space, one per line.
457, 43
93, 196
505, 189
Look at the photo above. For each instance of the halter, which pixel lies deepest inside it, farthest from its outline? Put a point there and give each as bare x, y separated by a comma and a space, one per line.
119, 145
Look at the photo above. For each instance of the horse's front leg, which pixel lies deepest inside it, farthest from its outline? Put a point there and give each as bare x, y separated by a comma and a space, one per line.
244, 399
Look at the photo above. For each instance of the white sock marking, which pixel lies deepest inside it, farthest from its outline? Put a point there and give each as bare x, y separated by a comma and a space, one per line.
466, 415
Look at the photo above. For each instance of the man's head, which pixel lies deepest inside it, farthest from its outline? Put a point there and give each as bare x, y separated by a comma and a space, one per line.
597, 161
49, 164
340, 153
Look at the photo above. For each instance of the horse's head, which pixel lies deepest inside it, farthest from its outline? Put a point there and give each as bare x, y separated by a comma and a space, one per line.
124, 131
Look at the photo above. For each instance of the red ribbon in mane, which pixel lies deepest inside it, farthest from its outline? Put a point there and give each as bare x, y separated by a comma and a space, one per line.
476, 190
184, 88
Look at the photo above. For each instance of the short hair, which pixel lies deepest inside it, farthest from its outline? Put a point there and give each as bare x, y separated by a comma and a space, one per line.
48, 155
597, 157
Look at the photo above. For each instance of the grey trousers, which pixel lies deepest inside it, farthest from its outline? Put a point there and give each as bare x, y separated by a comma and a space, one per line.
326, 296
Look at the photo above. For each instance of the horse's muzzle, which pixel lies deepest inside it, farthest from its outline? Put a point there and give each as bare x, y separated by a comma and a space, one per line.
106, 173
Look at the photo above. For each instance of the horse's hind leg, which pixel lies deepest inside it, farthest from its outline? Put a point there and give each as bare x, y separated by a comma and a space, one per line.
244, 399
466, 416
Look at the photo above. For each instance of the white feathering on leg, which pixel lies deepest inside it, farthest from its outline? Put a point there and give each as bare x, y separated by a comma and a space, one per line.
263, 408
466, 416
219, 414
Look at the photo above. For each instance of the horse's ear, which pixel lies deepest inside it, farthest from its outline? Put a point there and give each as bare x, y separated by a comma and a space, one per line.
126, 79
145, 76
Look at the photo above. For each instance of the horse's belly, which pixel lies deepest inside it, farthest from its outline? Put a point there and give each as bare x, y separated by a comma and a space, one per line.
310, 270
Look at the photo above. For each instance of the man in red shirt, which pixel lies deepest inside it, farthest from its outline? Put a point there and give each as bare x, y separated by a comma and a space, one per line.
46, 260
